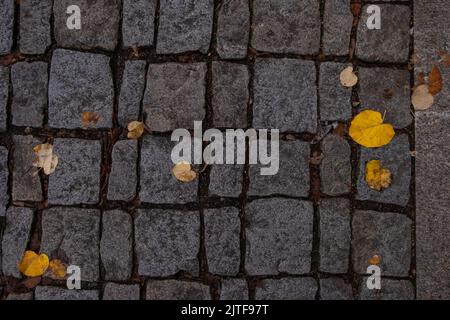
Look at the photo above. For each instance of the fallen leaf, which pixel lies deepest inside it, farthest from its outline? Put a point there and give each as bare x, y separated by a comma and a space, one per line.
368, 130
316, 158
135, 129
377, 178
413, 153
89, 118
340, 130
58, 268
420, 79
183, 172
348, 78
31, 283
33, 265
375, 260
421, 98
435, 82
45, 159
445, 58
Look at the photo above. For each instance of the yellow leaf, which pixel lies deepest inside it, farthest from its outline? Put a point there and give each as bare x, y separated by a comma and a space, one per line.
348, 78
58, 268
45, 158
135, 129
89, 118
33, 265
421, 98
377, 178
435, 82
368, 130
183, 172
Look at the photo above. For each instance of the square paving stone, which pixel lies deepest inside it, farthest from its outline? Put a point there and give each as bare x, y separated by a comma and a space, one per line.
337, 27
76, 232
230, 94
137, 23
391, 42
234, 289
167, 242
30, 81
287, 26
6, 26
222, 230
4, 94
292, 178
287, 289
116, 245
185, 25
99, 24
133, 86
226, 180
335, 235
15, 239
158, 184
285, 96
4, 174
115, 291
336, 167
390, 290
123, 176
175, 95
335, 99
79, 82
26, 184
233, 29
77, 176
335, 289
35, 27
176, 290
20, 296
279, 236
55, 293
385, 234
387, 91
397, 158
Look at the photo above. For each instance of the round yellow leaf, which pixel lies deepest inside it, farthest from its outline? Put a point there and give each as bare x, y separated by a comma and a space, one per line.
368, 130
33, 265
183, 172
135, 129
348, 78
421, 98
377, 178
58, 268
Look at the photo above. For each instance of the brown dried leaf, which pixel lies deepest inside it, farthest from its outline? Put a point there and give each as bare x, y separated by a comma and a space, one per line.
183, 172
348, 78
316, 158
89, 118
135, 129
435, 82
375, 260
45, 159
445, 58
421, 98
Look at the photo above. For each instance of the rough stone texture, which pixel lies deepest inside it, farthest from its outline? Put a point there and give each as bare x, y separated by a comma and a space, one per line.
133, 86
114, 291
76, 231
175, 95
15, 238
279, 236
336, 167
390, 290
35, 26
77, 177
4, 88
335, 235
167, 242
335, 289
230, 94
55, 293
29, 82
4, 174
176, 290
397, 158
79, 82
292, 178
26, 185
287, 26
6, 25
391, 42
234, 289
385, 234
387, 91
335, 99
225, 180
337, 27
20, 296
287, 289
123, 176
285, 96
137, 23
185, 25
432, 205
116, 245
222, 229
233, 29
158, 185
99, 24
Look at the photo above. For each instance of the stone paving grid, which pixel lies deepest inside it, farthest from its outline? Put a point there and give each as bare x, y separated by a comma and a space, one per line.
311, 280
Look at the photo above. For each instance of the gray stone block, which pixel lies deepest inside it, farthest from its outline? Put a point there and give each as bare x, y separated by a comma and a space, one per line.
287, 289
4, 174
137, 23
176, 290
4, 94
55, 293
390, 290
335, 289
35, 27
6, 26
226, 180
234, 289
115, 291
20, 296
337, 27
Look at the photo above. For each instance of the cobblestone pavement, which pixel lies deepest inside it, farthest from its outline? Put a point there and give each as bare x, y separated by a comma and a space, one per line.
307, 233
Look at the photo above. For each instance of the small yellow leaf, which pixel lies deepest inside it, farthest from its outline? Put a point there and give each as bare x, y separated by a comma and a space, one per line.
135, 129
58, 268
377, 178
33, 265
368, 130
45, 158
435, 82
183, 172
375, 260
421, 98
348, 78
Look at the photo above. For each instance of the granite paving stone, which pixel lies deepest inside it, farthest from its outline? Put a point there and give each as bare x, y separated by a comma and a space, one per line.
335, 289
287, 289
4, 175
176, 290
6, 26
115, 291
35, 16
234, 289
4, 94
390, 290
20, 296
56, 293
337, 27
138, 22
226, 180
